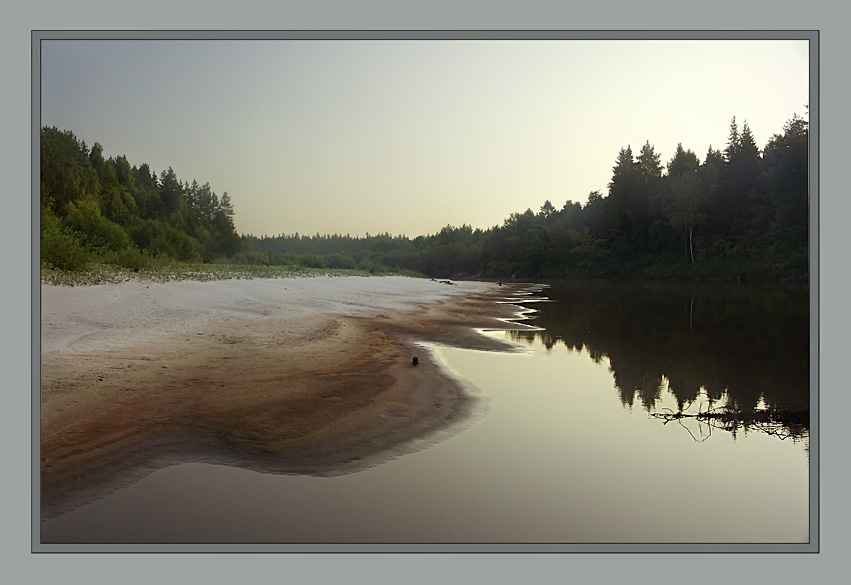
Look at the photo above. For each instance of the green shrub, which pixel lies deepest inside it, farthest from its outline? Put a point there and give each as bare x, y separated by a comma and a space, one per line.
135, 259
95, 230
310, 261
338, 260
246, 258
278, 259
372, 266
60, 247
176, 244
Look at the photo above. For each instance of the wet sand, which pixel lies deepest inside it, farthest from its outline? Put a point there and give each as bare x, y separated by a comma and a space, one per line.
283, 376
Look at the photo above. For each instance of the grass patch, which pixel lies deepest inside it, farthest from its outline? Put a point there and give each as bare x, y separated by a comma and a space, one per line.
175, 271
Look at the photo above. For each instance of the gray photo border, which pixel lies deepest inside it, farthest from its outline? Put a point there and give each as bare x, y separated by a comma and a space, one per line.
812, 36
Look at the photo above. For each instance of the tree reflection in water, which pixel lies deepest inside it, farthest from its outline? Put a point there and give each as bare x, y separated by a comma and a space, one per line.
737, 353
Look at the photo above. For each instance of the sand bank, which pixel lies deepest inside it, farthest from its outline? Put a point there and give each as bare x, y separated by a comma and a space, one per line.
303, 375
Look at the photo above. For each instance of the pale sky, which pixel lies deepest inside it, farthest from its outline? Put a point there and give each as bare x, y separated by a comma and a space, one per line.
357, 136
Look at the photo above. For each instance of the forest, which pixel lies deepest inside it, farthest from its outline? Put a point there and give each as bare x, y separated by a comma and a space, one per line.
739, 214
103, 210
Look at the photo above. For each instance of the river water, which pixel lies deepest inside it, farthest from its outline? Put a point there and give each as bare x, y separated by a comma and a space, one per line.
590, 436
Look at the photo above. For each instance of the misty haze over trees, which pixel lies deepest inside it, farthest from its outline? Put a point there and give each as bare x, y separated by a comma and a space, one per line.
737, 213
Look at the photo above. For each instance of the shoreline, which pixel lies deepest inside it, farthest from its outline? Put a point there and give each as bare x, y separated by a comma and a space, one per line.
297, 376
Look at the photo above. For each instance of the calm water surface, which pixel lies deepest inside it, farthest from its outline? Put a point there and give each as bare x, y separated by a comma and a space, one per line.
575, 445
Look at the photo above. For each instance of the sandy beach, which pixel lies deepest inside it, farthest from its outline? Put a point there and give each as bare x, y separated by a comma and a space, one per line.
300, 375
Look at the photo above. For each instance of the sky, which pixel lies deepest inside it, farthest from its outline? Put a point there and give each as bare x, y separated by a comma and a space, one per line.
408, 136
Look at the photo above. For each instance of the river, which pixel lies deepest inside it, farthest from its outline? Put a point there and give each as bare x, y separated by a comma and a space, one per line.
636, 413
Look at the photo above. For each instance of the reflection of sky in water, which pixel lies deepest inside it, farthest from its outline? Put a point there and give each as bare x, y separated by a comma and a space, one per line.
557, 458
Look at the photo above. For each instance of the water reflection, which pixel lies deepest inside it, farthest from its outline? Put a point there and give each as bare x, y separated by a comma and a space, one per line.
563, 460
732, 357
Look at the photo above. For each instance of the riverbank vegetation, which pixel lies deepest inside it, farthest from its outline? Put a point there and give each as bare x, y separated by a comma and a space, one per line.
99, 273
740, 213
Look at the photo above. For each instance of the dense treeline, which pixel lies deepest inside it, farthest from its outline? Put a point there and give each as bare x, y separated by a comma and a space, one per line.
741, 213
97, 209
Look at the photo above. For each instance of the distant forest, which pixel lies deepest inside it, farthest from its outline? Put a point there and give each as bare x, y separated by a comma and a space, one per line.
741, 213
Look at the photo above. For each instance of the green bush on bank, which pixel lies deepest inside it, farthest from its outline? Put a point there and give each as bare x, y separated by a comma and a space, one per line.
60, 247
136, 260
372, 266
84, 217
337, 260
